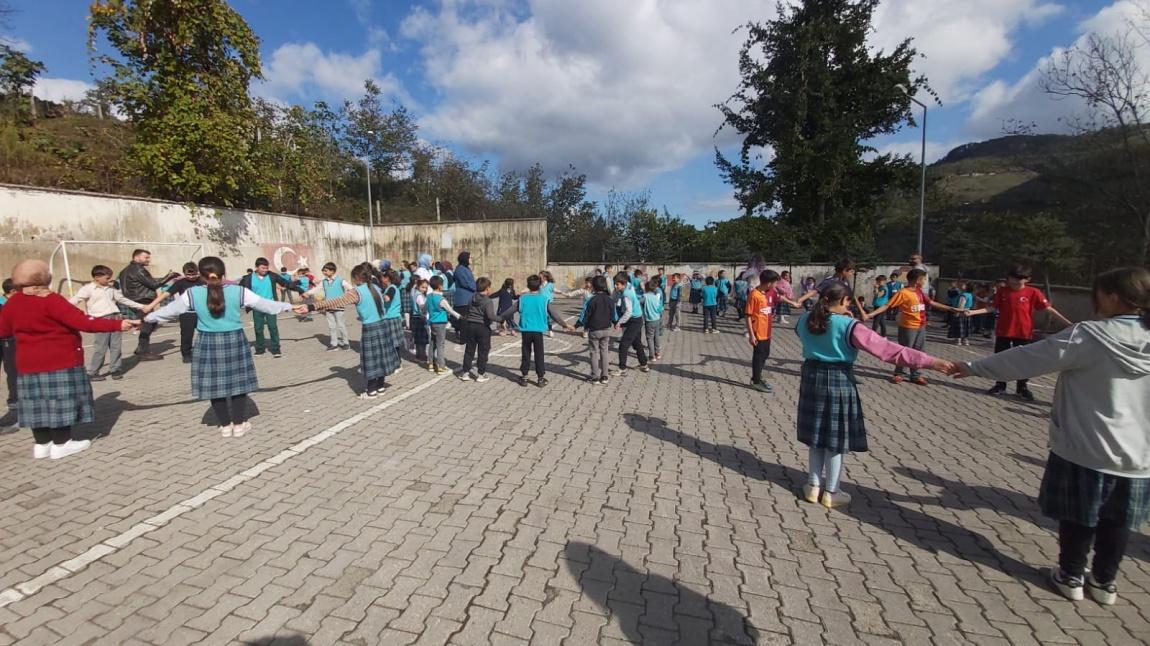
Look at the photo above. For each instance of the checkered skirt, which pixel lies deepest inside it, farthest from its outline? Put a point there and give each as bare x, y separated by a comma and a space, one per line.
222, 365
394, 337
959, 327
405, 301
1081, 495
54, 399
830, 411
377, 357
419, 333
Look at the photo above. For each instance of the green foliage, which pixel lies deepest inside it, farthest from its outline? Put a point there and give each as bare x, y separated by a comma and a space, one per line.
17, 76
812, 95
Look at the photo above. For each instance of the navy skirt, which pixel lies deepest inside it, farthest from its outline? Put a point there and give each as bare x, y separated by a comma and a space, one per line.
419, 334
830, 411
393, 331
376, 353
1084, 496
54, 399
696, 296
959, 327
222, 365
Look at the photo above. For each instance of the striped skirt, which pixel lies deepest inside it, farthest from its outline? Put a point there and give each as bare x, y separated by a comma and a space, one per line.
222, 365
419, 334
54, 399
1084, 496
830, 411
377, 355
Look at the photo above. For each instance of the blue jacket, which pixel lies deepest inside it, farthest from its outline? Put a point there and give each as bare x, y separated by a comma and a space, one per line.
464, 286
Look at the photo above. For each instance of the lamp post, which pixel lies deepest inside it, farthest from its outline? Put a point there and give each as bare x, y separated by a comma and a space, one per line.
922, 162
370, 227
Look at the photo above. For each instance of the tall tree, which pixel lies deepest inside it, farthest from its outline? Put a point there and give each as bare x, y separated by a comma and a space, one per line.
813, 94
384, 136
180, 73
17, 76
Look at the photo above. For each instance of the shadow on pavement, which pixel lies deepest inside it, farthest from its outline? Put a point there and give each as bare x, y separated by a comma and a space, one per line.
615, 586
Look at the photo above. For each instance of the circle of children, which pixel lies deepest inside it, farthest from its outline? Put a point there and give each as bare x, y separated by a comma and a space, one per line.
1097, 478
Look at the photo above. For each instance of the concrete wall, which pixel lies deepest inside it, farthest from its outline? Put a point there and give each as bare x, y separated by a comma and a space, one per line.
34, 220
1075, 303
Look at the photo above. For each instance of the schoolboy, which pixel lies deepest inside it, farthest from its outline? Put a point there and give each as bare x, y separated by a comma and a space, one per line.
101, 300
710, 306
262, 283
535, 311
760, 312
913, 305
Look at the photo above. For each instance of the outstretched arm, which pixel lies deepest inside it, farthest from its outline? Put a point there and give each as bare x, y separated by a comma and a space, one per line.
865, 339
1052, 354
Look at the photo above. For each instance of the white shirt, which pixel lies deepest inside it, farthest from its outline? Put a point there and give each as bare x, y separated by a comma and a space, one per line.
99, 301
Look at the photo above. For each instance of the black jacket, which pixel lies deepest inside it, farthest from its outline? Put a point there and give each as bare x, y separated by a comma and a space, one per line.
600, 314
137, 283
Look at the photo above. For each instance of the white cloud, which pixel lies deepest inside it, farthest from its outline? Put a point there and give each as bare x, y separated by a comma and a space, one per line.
935, 150
1024, 101
53, 89
626, 90
19, 44
303, 70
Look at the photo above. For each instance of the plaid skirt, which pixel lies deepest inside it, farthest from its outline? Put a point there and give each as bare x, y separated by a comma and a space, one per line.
1084, 496
222, 365
405, 301
394, 332
782, 309
54, 399
830, 411
419, 334
959, 327
377, 357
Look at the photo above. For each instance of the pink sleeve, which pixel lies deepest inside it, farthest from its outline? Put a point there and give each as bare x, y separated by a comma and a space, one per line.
865, 339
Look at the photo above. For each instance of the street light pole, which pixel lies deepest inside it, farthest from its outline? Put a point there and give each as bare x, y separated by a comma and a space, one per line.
370, 224
922, 163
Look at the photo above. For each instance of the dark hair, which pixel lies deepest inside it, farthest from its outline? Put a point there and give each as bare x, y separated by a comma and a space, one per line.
140, 251
262, 262
1132, 287
621, 279
482, 284
330, 266
546, 276
533, 282
768, 276
599, 284
821, 312
880, 278
191, 266
212, 269
638, 272
283, 268
1019, 272
101, 270
436, 282
7, 285
653, 285
710, 280
913, 275
846, 264
362, 275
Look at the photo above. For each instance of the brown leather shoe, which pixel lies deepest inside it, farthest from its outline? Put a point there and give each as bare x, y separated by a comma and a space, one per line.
149, 356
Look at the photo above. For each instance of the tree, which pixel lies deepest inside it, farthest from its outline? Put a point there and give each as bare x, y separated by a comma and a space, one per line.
812, 95
386, 138
17, 76
180, 73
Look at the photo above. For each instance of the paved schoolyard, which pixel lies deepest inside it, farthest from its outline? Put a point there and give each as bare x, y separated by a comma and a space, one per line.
659, 510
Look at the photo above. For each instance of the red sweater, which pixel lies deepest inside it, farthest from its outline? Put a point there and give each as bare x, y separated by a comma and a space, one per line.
47, 331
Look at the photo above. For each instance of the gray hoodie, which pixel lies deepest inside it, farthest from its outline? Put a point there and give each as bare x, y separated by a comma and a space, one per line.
1101, 413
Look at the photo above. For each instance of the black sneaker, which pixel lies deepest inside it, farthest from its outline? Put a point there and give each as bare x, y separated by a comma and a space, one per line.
1026, 395
1070, 587
96, 377
277, 354
593, 379
603, 381
542, 382
522, 381
998, 389
261, 351
116, 376
188, 359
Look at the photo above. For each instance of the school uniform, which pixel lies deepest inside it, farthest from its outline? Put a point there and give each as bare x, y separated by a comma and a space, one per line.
696, 293
960, 325
536, 312
652, 306
631, 320
393, 319
673, 302
710, 305
881, 297
598, 319
724, 287
437, 317
479, 316
377, 357
104, 302
830, 413
331, 289
188, 320
264, 287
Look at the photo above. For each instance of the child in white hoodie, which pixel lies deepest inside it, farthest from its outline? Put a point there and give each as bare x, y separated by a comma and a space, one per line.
1097, 480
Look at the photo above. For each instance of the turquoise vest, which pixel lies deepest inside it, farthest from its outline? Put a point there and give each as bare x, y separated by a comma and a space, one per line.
366, 308
332, 288
394, 308
652, 306
636, 307
710, 296
263, 286
533, 312
232, 317
435, 311
833, 346
548, 291
304, 282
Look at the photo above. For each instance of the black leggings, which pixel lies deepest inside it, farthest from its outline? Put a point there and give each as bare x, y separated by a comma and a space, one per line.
532, 342
230, 410
1004, 343
1109, 542
54, 435
376, 384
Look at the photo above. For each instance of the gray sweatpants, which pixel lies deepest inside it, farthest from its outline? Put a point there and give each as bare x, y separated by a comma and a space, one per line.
673, 318
911, 338
436, 352
654, 331
599, 341
111, 343
337, 328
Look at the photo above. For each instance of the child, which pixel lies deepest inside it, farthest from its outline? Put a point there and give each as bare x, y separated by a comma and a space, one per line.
1015, 305
1097, 480
100, 300
830, 416
304, 281
8, 358
330, 289
892, 287
263, 283
507, 297
598, 318
376, 351
393, 310
742, 292
188, 320
786, 296
630, 320
960, 322
285, 292
588, 292
436, 309
710, 301
696, 292
723, 284
222, 367
981, 322
477, 330
808, 286
637, 280
53, 389
912, 305
881, 297
676, 297
652, 305
417, 318
760, 310
536, 311
547, 288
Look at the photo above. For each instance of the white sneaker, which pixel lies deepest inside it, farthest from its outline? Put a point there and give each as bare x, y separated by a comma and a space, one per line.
832, 499
1106, 595
70, 447
240, 429
41, 451
465, 376
226, 431
398, 370
1067, 586
482, 379
811, 493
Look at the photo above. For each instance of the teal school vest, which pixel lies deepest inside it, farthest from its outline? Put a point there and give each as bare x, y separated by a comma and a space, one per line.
366, 308
834, 345
533, 312
232, 318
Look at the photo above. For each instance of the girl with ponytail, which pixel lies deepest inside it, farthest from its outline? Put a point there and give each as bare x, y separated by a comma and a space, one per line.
830, 419
222, 368
1097, 480
377, 358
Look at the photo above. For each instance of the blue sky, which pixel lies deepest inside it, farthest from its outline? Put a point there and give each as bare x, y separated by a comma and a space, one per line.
623, 90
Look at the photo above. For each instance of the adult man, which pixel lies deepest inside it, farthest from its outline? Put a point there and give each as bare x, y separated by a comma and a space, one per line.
916, 263
137, 283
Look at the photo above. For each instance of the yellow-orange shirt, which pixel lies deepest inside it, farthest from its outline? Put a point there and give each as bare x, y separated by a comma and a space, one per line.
912, 307
761, 309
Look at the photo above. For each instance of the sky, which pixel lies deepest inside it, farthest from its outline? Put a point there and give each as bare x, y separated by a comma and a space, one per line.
623, 90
